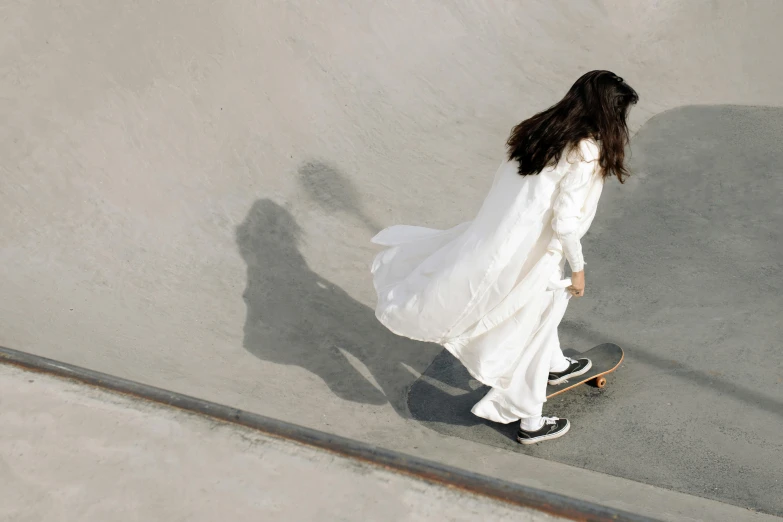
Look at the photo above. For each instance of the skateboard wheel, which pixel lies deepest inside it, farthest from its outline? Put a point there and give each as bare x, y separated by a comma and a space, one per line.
600, 382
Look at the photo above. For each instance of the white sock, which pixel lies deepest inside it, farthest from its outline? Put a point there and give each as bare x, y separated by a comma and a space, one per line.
563, 366
531, 423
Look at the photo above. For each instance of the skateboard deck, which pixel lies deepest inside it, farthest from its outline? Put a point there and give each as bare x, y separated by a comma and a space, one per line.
605, 358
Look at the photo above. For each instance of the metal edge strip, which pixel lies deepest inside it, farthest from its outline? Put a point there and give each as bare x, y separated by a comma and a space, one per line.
509, 492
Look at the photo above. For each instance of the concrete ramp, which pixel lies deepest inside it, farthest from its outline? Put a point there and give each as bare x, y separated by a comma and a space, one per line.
73, 452
188, 189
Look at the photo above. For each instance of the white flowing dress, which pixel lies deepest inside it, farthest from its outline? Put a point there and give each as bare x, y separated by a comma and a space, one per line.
491, 290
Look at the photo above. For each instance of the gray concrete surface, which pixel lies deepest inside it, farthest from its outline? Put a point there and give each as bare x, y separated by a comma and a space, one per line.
683, 273
161, 160
72, 452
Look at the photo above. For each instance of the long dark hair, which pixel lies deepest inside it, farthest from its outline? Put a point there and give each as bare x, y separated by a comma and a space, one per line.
595, 107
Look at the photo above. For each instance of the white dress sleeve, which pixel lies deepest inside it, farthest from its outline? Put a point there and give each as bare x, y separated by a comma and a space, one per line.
574, 188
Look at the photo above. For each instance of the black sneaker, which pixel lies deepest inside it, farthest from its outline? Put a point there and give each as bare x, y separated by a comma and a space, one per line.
552, 429
576, 368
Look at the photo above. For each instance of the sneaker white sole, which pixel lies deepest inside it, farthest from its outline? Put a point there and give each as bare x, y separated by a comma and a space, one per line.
565, 378
546, 437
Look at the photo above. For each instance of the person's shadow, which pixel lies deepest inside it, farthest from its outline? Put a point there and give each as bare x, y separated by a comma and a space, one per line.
296, 317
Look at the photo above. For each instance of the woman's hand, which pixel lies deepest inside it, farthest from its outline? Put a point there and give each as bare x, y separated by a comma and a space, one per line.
577, 287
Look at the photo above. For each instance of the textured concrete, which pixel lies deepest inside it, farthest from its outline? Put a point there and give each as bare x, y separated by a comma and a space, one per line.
683, 274
71, 452
164, 158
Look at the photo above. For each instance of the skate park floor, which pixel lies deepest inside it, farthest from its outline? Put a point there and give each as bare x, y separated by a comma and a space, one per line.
188, 193
115, 457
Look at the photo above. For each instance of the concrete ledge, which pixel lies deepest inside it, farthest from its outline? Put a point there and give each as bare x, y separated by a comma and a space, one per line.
551, 503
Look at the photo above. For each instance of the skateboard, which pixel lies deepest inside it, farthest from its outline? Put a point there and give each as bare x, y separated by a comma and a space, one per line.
605, 358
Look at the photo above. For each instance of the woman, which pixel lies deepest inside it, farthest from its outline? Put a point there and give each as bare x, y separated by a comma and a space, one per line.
492, 290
